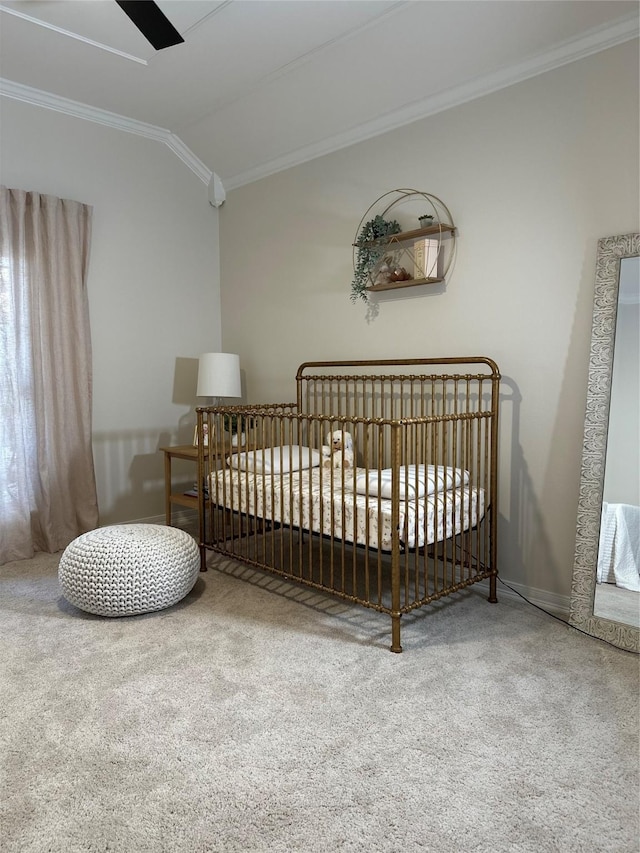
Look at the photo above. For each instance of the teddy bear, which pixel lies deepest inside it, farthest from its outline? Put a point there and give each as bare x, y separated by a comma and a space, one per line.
339, 452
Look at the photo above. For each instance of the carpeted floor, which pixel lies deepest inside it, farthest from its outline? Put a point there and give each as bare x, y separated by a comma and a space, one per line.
256, 716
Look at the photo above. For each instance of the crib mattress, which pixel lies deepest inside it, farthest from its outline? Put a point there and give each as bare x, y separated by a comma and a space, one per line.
310, 500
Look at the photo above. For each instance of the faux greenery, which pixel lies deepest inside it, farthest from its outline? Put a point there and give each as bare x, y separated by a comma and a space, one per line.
369, 254
234, 424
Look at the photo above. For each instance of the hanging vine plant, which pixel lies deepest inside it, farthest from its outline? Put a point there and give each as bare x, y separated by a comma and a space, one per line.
370, 254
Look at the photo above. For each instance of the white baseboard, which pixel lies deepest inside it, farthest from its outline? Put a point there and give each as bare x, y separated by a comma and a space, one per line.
179, 517
551, 602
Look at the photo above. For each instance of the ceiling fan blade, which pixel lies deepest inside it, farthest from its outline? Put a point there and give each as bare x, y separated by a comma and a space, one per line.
152, 22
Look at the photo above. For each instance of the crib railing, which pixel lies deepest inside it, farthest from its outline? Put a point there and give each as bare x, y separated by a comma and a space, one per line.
397, 418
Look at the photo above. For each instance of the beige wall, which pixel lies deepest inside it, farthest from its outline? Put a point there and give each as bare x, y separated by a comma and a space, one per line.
153, 287
533, 175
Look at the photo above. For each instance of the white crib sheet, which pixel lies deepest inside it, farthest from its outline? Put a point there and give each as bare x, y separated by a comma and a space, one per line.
307, 499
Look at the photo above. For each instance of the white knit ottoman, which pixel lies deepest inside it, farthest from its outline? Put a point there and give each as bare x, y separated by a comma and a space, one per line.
126, 569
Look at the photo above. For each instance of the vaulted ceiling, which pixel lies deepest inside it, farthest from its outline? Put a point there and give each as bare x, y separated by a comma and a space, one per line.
259, 85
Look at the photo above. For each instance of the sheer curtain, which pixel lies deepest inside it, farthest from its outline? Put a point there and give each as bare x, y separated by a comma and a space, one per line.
47, 482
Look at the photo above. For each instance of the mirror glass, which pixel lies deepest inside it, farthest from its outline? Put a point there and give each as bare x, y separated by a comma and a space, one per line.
605, 594
617, 594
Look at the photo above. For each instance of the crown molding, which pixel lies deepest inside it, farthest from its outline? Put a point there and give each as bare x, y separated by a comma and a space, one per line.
572, 50
49, 101
602, 38
188, 157
39, 98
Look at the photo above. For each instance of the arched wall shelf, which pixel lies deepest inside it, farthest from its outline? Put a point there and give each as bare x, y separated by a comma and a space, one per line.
413, 253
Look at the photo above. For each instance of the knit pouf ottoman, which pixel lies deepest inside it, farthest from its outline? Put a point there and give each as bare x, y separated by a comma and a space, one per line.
126, 569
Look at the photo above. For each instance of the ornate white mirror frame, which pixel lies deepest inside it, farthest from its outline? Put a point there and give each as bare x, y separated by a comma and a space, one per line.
611, 250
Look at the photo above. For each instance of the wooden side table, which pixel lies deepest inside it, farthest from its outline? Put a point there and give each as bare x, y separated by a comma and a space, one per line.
189, 452
182, 451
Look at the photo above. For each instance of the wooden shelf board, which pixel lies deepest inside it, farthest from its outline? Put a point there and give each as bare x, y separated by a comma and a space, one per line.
184, 500
440, 227
394, 285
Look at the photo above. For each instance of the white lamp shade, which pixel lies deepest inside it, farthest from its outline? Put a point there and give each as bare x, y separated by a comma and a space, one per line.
219, 375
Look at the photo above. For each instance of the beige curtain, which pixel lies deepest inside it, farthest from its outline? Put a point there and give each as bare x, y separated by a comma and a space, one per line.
47, 482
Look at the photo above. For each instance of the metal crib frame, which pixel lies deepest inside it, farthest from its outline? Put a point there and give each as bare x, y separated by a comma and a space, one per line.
399, 413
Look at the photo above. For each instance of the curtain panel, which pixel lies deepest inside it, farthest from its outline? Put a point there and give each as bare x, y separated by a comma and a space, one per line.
47, 480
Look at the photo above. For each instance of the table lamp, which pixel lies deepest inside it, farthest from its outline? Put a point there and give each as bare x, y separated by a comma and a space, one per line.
219, 376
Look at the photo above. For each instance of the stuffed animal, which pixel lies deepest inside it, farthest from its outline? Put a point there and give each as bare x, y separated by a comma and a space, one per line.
339, 453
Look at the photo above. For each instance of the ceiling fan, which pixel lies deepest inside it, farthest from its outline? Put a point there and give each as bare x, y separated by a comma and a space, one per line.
152, 22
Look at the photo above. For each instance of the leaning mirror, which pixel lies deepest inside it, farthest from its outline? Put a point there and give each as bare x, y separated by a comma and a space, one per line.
605, 593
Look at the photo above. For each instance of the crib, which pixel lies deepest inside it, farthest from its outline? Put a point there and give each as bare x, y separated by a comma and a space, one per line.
402, 514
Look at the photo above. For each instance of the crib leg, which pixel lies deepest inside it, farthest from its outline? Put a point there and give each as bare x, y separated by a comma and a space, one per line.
395, 634
203, 558
493, 597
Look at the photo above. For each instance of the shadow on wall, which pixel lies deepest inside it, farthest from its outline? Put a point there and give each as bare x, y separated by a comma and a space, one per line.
522, 542
185, 381
129, 465
130, 472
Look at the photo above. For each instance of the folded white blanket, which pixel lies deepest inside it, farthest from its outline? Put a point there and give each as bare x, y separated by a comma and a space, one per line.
619, 548
415, 481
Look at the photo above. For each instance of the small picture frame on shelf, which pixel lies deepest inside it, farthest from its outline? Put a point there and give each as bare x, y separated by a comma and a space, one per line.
205, 432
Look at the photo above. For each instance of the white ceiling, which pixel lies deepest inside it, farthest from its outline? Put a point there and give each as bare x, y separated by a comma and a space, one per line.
259, 85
